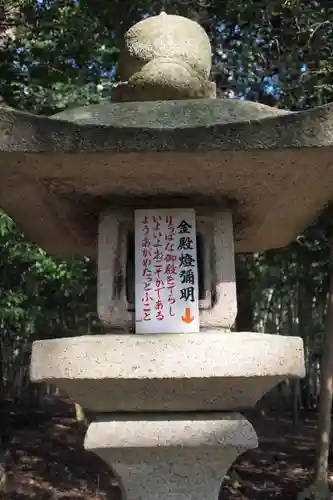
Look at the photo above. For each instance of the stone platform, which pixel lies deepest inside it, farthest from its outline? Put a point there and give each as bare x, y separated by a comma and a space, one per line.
167, 372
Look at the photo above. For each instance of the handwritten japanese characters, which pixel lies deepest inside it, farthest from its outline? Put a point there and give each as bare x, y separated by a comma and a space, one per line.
166, 272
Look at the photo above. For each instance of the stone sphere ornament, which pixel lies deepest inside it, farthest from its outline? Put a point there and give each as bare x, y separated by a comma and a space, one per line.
165, 57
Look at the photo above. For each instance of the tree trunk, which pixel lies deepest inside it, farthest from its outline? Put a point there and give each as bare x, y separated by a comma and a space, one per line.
326, 392
320, 489
295, 402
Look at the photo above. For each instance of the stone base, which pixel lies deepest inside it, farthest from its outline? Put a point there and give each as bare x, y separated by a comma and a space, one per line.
174, 456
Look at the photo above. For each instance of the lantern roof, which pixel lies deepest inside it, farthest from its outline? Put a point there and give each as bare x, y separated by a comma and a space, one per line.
165, 140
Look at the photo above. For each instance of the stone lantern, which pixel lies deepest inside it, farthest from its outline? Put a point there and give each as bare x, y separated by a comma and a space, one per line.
163, 185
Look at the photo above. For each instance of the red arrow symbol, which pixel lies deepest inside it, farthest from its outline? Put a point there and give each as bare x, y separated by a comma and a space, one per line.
188, 318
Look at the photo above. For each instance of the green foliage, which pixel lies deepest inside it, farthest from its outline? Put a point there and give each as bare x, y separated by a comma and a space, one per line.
261, 42
58, 58
39, 288
40, 297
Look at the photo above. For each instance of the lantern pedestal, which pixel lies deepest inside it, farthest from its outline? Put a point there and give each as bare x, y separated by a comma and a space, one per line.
175, 456
164, 405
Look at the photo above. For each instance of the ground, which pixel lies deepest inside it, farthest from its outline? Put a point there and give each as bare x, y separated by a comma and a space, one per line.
48, 462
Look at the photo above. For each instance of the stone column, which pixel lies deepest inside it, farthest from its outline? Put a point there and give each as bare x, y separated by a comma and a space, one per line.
171, 457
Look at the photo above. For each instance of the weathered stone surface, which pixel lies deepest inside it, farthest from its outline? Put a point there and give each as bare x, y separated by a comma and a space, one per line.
182, 456
180, 372
164, 58
273, 167
166, 36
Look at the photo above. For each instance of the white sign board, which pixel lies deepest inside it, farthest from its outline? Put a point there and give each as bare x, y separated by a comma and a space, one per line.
166, 272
